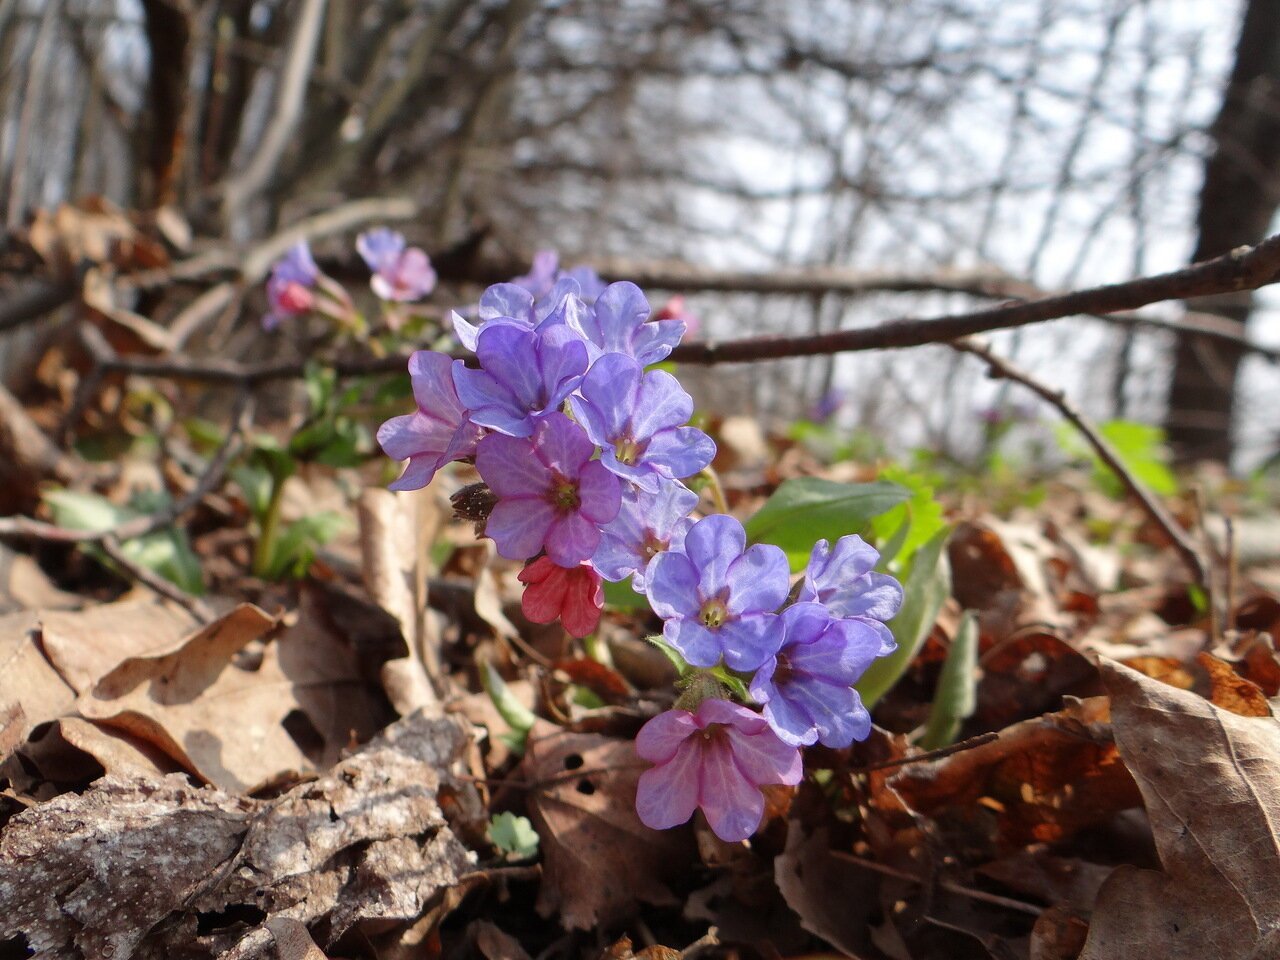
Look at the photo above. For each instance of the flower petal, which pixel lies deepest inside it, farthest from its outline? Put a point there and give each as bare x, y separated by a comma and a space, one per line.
660, 402
612, 388
672, 581
660, 737
571, 539
750, 640
667, 795
519, 526
508, 466
680, 451
697, 644
759, 580
713, 543
733, 804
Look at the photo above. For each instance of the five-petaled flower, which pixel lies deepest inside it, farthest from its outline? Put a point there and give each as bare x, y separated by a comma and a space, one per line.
551, 494
572, 595
400, 273
647, 524
807, 686
716, 758
718, 596
438, 432
843, 578
638, 420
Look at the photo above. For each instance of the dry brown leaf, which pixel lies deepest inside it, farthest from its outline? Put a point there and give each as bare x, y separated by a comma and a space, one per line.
292, 940
24, 586
220, 720
30, 688
396, 532
494, 944
12, 723
600, 861
834, 898
1027, 675
130, 867
85, 645
1041, 781
1211, 783
71, 752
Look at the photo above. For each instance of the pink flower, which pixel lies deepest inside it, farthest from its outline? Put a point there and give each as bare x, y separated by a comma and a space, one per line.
570, 594
716, 759
400, 273
675, 309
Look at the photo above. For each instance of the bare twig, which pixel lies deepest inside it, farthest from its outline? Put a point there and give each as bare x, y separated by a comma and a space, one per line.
153, 581
948, 885
292, 88
241, 419
1247, 268
1000, 368
978, 741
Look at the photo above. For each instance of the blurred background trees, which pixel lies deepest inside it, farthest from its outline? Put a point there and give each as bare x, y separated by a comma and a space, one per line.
1047, 143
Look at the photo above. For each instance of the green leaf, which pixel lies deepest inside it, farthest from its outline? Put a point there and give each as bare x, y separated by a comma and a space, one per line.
166, 552
255, 486
927, 585
957, 694
1140, 447
807, 509
620, 596
671, 654
295, 548
519, 717
922, 514
513, 835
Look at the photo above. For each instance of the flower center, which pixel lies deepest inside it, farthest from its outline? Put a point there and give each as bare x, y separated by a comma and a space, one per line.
564, 494
652, 545
713, 613
626, 450
783, 672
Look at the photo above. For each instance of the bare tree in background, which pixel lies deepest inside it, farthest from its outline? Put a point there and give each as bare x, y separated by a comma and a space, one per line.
1238, 202
1044, 142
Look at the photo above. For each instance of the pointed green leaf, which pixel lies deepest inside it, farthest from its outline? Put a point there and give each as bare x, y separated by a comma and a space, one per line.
956, 697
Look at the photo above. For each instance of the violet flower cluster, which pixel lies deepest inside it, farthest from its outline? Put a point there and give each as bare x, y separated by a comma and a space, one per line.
583, 447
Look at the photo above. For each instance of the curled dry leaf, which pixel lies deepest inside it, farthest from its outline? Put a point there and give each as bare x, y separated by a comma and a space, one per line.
236, 708
1041, 781
80, 876
600, 860
834, 898
1211, 783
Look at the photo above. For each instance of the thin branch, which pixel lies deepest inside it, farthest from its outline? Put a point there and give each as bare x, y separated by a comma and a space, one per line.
241, 419
1243, 269
1000, 368
1246, 268
292, 88
154, 582
949, 885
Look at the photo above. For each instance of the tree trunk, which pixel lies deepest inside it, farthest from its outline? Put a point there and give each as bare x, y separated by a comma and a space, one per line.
1238, 200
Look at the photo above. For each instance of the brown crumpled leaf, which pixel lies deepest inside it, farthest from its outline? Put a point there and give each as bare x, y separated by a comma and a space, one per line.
71, 752
31, 690
600, 861
292, 940
157, 868
237, 708
1041, 781
1211, 783
834, 898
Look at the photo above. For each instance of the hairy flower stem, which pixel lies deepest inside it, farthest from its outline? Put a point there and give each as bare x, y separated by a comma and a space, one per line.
717, 491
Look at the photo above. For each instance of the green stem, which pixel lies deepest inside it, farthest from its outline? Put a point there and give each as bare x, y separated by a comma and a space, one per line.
264, 549
717, 491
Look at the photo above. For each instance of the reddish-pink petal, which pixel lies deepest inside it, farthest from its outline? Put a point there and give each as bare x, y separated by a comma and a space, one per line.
661, 736
667, 794
734, 806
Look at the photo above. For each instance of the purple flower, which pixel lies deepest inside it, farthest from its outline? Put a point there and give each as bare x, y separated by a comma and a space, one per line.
807, 686
398, 273
844, 580
637, 419
289, 287
523, 376
542, 274
508, 303
716, 759
718, 597
647, 524
827, 406
590, 286
616, 323
551, 494
438, 432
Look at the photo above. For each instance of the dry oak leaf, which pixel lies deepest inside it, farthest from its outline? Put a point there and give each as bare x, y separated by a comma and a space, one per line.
158, 868
236, 713
1211, 783
600, 861
1041, 781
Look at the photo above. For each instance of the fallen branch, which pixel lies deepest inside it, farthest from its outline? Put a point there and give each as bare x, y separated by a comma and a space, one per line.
1244, 269
1002, 369
156, 583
